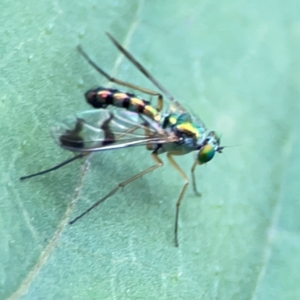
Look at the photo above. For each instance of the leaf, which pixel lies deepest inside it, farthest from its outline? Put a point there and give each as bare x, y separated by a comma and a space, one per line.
236, 65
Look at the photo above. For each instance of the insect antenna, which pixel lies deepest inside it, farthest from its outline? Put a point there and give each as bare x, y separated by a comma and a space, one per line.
55, 167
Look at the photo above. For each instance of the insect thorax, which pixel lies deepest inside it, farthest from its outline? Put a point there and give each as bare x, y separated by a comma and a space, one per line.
190, 135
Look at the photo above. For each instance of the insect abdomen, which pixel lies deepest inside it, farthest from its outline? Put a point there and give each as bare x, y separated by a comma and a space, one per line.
102, 97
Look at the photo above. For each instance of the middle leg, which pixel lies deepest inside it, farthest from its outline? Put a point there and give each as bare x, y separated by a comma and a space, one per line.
183, 175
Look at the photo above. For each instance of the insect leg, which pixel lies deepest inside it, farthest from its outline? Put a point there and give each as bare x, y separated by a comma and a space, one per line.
194, 180
55, 167
176, 166
146, 73
120, 82
158, 164
147, 133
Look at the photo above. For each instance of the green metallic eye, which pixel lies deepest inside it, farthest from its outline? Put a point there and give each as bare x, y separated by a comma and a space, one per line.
206, 153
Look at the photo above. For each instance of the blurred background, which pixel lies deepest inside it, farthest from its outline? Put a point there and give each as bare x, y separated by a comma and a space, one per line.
234, 64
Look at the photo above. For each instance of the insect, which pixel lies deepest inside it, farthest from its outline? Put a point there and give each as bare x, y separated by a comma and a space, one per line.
122, 119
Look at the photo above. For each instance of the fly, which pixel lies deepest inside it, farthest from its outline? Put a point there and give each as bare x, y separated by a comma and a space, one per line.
122, 119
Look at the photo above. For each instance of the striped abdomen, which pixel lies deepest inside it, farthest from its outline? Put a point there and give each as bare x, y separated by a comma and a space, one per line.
102, 97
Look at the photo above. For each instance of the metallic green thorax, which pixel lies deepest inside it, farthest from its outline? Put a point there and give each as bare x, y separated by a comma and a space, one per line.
192, 136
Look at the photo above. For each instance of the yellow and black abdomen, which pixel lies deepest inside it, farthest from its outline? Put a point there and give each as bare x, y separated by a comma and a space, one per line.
103, 97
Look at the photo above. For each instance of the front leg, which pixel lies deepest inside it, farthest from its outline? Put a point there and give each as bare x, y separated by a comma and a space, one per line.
194, 180
175, 165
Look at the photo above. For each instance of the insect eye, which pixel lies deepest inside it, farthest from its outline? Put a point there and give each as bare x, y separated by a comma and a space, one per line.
206, 153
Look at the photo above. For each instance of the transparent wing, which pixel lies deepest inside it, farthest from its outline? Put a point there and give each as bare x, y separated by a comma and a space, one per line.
102, 129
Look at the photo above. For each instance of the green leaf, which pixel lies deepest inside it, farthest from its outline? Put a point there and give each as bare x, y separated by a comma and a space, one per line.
236, 65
